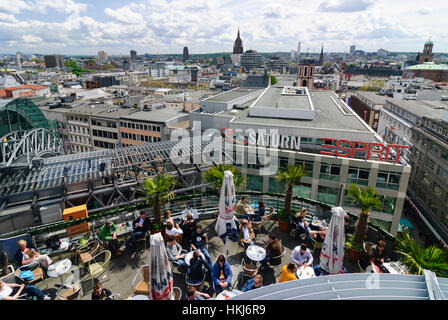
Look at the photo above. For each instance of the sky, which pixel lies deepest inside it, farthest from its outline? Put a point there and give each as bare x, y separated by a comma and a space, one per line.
206, 26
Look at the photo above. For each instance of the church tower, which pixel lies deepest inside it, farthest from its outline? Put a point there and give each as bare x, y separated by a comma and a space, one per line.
237, 49
321, 57
426, 55
306, 73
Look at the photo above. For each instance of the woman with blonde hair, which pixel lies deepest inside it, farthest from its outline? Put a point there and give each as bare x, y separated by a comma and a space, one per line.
26, 255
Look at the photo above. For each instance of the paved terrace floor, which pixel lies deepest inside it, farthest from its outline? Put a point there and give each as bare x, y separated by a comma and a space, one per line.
122, 269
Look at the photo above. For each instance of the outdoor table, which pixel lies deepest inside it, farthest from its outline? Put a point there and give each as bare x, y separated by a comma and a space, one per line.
305, 273
140, 297
194, 212
255, 253
58, 268
226, 294
394, 267
189, 255
317, 224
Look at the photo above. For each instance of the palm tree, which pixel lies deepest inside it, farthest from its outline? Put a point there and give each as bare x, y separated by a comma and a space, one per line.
289, 178
215, 176
365, 199
158, 191
417, 258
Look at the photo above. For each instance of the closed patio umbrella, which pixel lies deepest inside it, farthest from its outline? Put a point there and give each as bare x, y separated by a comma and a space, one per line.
161, 276
332, 254
227, 223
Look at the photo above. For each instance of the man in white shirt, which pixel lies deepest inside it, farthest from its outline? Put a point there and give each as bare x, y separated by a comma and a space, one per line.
302, 256
11, 291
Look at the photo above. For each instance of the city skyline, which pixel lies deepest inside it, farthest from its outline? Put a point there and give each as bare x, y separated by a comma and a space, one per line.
165, 27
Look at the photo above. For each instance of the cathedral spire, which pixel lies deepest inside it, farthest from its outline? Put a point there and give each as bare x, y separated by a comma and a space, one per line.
321, 57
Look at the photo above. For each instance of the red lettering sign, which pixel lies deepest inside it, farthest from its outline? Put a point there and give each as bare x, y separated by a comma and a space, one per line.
344, 148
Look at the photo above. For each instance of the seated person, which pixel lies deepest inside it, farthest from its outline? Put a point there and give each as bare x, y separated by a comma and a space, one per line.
288, 273
141, 225
27, 255
243, 208
172, 230
193, 294
302, 256
198, 241
247, 234
222, 275
167, 218
255, 283
273, 249
174, 252
108, 234
188, 226
260, 212
100, 293
11, 291
376, 255
318, 236
301, 226
196, 271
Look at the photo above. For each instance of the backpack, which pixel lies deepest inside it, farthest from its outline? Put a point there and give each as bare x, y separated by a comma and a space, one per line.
26, 275
53, 243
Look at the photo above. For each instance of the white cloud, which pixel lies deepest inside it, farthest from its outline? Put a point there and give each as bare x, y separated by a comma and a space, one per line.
125, 15
31, 39
4, 17
345, 5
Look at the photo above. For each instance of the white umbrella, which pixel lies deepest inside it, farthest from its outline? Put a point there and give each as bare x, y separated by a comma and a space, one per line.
332, 254
227, 223
161, 276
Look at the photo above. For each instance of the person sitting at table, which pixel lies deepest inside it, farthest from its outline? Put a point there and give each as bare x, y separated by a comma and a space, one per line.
167, 218
198, 241
172, 230
27, 255
11, 291
273, 249
376, 255
100, 293
193, 294
260, 212
348, 228
108, 234
174, 253
247, 234
301, 226
222, 275
243, 208
188, 226
196, 271
302, 256
255, 283
318, 236
141, 225
288, 272
303, 212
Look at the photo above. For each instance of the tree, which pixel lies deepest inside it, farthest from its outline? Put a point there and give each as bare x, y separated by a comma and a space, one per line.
417, 258
158, 191
289, 178
273, 80
365, 199
215, 176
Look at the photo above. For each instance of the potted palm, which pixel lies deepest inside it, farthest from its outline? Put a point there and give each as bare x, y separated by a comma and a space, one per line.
416, 258
157, 192
365, 199
215, 176
289, 178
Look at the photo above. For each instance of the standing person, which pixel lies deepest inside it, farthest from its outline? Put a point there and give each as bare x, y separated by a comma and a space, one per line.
273, 249
100, 293
198, 241
141, 225
222, 275
188, 226
288, 272
246, 234
193, 294
108, 234
255, 283
174, 252
11, 291
376, 254
26, 255
302, 256
196, 272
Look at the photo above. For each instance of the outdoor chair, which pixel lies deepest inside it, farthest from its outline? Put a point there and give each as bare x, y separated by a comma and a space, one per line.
38, 273
175, 264
86, 252
196, 285
71, 287
272, 212
256, 226
275, 261
143, 286
367, 246
317, 245
144, 239
12, 278
98, 265
177, 293
9, 269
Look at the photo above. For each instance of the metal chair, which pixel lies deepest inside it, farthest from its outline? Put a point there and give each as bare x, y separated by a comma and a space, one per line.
196, 285
86, 252
143, 286
71, 287
8, 267
144, 239
177, 293
12, 278
97, 267
37, 271
275, 261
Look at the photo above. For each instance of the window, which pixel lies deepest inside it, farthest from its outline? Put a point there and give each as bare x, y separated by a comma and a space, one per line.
283, 162
442, 173
433, 147
327, 195
307, 165
303, 190
426, 178
388, 204
437, 190
433, 206
358, 176
329, 171
388, 180
429, 163
445, 155
254, 182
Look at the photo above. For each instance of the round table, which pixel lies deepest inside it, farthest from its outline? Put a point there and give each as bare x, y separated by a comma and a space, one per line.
305, 273
189, 255
58, 268
255, 253
140, 297
226, 294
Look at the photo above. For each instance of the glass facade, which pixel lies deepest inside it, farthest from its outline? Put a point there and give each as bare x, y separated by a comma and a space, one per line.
358, 176
330, 171
327, 194
388, 180
254, 182
303, 190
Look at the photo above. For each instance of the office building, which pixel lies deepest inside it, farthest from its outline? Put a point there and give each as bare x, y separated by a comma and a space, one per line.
102, 57
54, 61
352, 49
133, 54
250, 59
185, 55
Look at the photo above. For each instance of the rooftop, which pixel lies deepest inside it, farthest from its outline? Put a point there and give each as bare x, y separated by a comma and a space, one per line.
162, 115
373, 97
231, 95
428, 66
422, 108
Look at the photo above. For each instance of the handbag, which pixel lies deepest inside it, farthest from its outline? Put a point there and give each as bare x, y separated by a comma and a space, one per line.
26, 275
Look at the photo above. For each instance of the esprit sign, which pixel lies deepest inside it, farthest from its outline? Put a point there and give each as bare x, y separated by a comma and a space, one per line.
346, 149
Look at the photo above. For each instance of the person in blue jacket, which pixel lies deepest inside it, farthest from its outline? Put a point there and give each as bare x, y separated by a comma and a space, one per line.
255, 283
222, 275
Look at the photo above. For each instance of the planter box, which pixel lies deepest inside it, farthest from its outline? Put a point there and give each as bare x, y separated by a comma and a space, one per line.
353, 254
284, 226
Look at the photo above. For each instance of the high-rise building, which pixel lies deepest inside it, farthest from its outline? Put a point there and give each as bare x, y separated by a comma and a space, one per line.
19, 55
352, 49
186, 55
251, 59
133, 55
237, 49
102, 57
298, 50
54, 61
